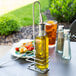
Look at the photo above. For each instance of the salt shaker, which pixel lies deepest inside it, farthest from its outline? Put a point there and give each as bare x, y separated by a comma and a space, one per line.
66, 47
60, 39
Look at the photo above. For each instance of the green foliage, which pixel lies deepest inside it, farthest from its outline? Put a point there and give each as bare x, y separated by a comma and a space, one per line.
50, 1
25, 15
8, 24
63, 10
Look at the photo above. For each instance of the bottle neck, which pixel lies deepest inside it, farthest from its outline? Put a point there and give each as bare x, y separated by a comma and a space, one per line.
66, 36
42, 30
61, 30
42, 33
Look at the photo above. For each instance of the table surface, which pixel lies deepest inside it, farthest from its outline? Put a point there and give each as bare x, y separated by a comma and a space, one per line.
57, 66
4, 49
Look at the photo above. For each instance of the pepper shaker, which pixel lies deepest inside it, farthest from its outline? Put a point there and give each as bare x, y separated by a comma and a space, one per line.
60, 39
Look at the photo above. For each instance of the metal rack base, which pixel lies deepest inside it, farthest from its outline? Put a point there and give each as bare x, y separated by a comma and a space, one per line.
33, 67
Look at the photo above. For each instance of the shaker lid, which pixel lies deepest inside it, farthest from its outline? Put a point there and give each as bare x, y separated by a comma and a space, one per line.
66, 31
60, 27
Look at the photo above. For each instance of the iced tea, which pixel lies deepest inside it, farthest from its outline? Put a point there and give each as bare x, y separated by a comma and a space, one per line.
51, 28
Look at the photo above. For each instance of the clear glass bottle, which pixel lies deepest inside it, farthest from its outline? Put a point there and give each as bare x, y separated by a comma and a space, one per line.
41, 46
60, 39
66, 47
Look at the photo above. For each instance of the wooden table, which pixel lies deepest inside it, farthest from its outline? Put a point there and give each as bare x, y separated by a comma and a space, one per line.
58, 66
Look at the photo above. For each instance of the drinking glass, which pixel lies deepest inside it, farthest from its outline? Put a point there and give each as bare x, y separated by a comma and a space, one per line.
51, 29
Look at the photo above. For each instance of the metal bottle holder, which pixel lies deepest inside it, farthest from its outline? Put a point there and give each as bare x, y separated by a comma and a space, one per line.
34, 59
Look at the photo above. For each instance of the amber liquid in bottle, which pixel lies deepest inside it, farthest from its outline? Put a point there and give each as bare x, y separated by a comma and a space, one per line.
42, 51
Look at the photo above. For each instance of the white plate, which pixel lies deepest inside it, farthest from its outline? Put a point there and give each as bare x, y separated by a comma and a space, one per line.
12, 51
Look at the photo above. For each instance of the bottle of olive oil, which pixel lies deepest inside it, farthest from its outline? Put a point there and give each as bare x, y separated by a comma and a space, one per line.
41, 46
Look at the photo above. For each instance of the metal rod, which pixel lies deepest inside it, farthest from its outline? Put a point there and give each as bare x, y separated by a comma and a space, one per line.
37, 62
34, 20
41, 59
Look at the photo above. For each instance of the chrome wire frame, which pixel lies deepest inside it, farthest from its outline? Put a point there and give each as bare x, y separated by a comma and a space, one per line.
35, 60
33, 65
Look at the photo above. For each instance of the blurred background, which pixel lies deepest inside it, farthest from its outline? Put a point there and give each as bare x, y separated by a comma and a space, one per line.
16, 18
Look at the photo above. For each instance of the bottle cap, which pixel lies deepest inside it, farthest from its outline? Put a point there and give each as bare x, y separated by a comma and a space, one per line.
66, 31
61, 27
42, 26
